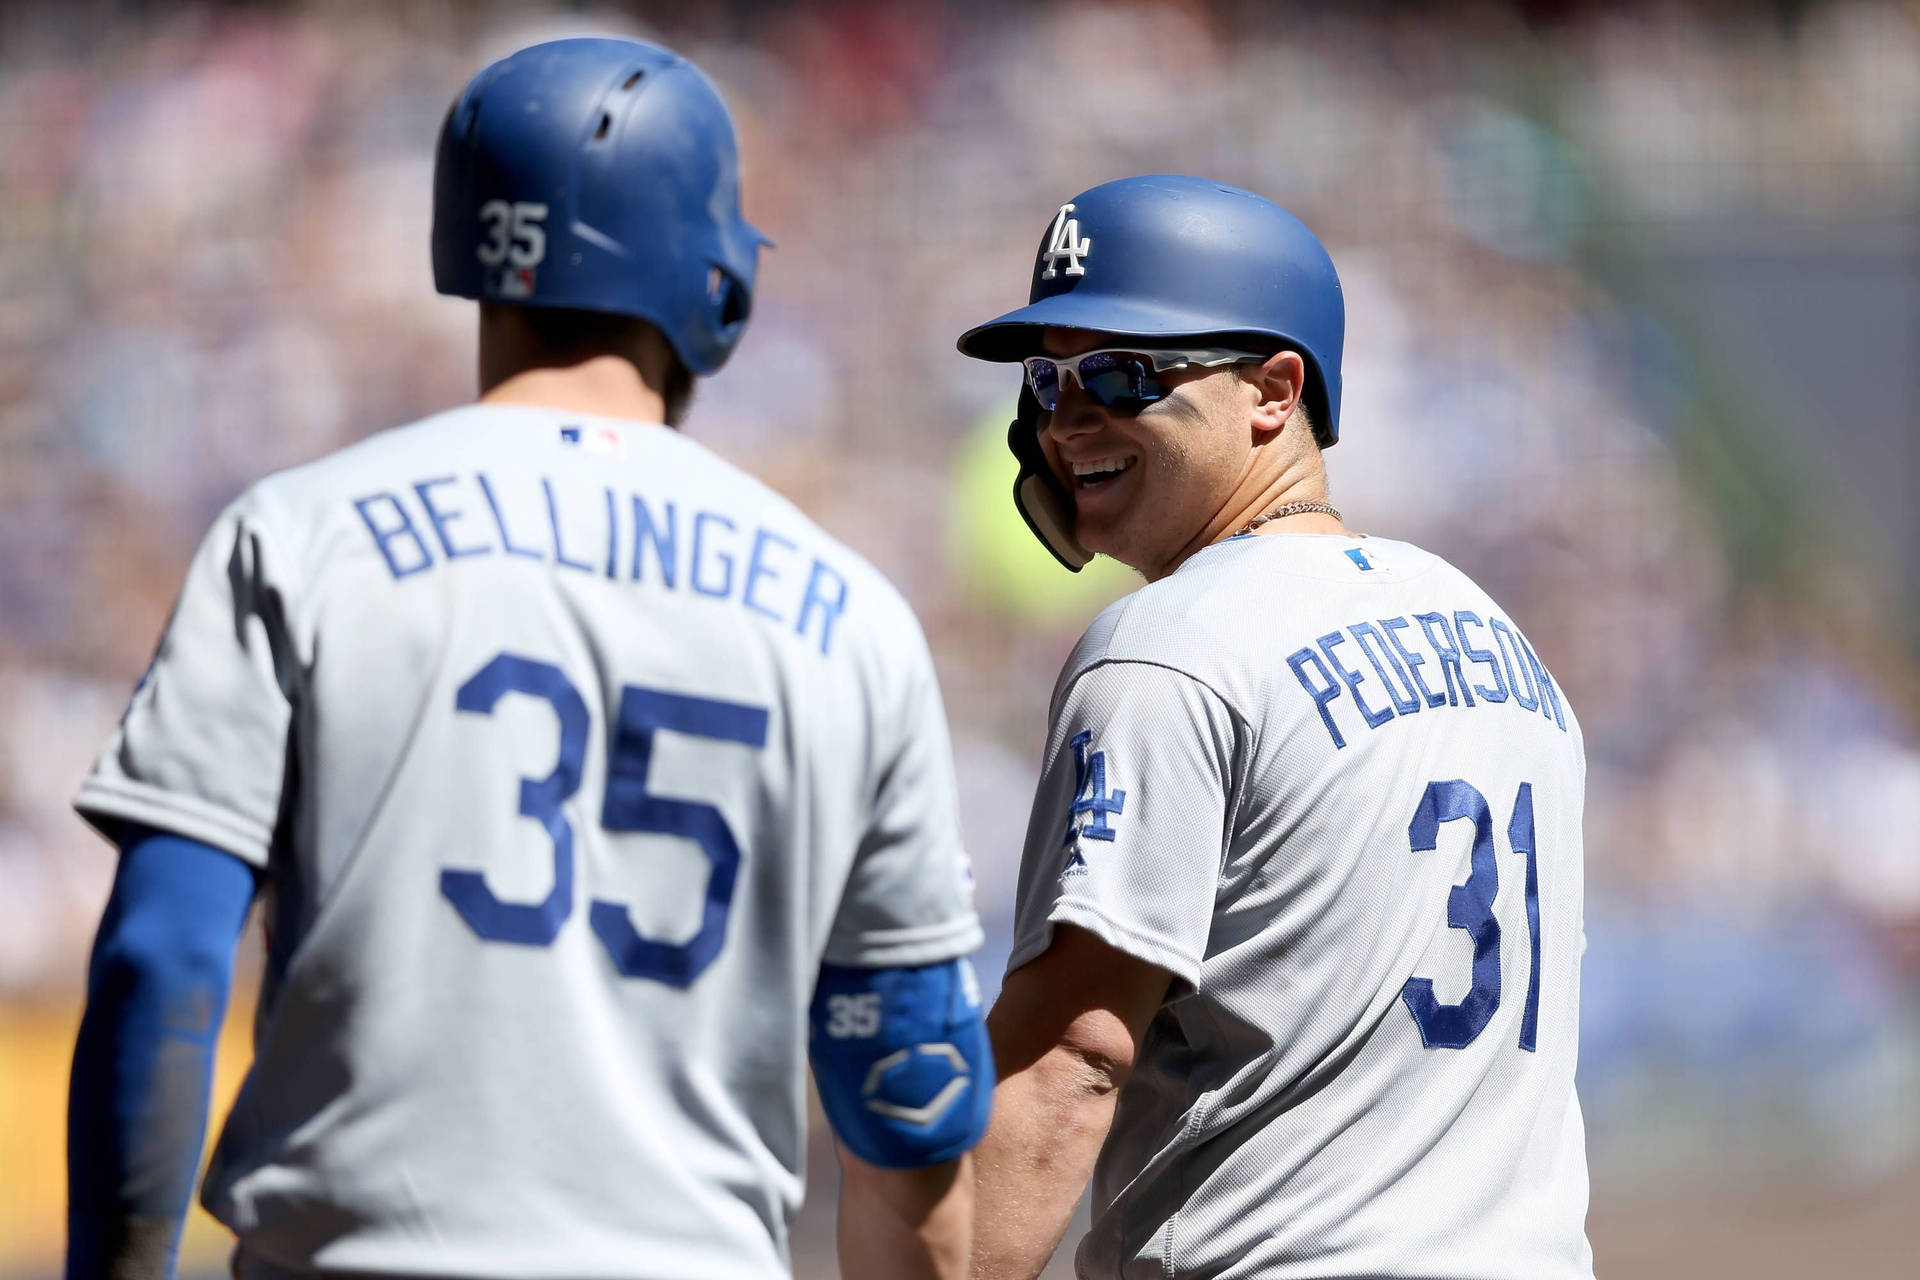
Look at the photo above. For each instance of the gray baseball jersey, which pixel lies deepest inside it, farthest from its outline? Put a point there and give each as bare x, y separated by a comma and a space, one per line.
569, 752
1328, 786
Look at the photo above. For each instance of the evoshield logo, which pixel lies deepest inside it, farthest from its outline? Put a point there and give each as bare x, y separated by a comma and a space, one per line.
1065, 242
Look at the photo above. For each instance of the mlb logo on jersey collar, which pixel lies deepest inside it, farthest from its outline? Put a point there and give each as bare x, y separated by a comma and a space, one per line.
601, 440
1366, 561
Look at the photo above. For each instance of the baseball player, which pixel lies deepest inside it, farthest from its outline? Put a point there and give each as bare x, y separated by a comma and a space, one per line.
1298, 930
586, 781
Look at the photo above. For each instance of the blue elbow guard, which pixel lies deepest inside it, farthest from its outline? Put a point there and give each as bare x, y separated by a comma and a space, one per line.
901, 1059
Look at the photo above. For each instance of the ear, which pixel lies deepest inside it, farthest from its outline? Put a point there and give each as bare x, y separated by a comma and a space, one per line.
1278, 382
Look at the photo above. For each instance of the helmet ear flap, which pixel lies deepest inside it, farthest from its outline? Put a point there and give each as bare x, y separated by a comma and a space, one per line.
1043, 502
732, 300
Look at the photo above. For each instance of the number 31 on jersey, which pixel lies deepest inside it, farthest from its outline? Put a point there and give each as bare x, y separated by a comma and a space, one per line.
1470, 907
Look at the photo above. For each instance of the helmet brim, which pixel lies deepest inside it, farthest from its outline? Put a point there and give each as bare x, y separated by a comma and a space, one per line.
1018, 334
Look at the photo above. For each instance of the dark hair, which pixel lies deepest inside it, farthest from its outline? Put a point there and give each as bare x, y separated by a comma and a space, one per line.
574, 334
569, 332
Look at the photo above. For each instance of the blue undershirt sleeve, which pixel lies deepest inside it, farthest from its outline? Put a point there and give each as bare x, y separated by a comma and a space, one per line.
157, 989
901, 1059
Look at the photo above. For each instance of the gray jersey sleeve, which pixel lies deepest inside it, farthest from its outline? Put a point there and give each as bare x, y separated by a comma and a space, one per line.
1129, 825
909, 899
202, 749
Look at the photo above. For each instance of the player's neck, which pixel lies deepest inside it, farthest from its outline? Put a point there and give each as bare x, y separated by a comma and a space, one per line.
1302, 479
604, 386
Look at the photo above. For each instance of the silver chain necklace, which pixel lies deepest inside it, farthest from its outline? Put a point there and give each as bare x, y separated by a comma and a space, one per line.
1283, 510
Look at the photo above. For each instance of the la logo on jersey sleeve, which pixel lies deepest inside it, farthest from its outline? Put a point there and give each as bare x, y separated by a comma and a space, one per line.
1093, 805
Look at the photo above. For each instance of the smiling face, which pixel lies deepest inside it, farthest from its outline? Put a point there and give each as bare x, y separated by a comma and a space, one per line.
1150, 488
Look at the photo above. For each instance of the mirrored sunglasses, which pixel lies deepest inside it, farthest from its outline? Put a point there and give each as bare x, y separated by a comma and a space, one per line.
1123, 381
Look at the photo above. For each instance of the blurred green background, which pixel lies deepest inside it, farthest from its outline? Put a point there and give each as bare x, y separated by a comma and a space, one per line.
1634, 300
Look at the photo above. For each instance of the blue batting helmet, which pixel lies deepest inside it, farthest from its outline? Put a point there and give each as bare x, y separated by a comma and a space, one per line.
602, 175
1165, 256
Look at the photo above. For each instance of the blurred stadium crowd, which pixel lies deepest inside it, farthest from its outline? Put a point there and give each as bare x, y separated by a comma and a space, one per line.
213, 225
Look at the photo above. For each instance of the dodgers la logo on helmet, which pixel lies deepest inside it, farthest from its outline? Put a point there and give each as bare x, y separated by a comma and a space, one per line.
1065, 241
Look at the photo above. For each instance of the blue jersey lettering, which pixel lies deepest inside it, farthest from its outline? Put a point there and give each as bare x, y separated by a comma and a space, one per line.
1519, 677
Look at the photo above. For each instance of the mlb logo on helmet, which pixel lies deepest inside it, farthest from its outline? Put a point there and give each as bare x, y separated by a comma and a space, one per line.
516, 282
